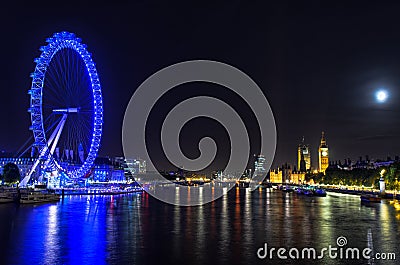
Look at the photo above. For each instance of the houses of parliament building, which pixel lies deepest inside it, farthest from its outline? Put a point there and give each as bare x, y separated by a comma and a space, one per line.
286, 174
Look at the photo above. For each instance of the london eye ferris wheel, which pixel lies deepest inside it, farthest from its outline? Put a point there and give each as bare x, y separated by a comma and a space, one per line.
66, 108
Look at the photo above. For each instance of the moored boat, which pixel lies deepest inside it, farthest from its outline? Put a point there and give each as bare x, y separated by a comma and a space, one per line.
311, 191
320, 192
5, 198
8, 195
370, 198
29, 197
287, 188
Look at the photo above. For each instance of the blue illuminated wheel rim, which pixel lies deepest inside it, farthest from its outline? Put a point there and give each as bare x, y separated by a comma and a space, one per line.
60, 42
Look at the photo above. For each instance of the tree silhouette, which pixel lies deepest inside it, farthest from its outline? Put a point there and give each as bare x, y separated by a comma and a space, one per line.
11, 173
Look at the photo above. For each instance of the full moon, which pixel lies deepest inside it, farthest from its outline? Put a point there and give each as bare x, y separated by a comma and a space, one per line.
381, 96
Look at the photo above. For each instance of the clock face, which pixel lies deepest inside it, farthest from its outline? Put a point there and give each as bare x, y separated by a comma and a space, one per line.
324, 153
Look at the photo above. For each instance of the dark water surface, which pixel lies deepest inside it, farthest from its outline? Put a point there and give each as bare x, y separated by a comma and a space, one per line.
138, 229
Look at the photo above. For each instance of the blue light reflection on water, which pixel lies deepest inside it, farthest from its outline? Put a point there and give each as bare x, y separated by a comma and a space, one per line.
70, 232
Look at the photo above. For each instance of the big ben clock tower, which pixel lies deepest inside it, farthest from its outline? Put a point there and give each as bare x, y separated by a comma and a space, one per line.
323, 154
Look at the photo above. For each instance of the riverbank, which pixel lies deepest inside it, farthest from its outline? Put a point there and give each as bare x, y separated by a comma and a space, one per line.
388, 195
112, 190
42, 195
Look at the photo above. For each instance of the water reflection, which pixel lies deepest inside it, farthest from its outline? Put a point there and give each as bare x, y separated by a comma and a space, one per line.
138, 229
247, 233
224, 231
51, 240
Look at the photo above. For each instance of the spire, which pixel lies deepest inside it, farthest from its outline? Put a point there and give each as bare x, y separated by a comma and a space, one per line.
323, 141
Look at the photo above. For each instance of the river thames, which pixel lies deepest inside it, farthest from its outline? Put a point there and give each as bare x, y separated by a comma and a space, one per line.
138, 229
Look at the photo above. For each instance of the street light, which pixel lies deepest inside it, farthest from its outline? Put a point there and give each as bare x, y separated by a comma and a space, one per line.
382, 182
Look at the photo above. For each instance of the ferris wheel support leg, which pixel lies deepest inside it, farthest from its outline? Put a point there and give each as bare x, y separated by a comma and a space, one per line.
28, 176
56, 134
57, 137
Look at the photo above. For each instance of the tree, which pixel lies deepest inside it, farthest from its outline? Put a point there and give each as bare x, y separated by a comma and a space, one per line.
392, 174
11, 173
316, 177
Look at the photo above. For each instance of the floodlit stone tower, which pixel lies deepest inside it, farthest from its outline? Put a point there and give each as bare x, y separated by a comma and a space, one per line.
323, 155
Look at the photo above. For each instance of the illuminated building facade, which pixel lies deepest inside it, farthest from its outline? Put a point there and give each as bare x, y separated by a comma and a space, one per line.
276, 176
103, 170
24, 164
303, 157
285, 174
260, 166
323, 155
136, 166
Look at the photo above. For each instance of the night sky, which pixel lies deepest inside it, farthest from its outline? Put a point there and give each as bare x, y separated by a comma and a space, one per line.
319, 65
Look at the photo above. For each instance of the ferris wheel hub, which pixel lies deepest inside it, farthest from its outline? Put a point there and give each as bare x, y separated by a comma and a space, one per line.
67, 110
